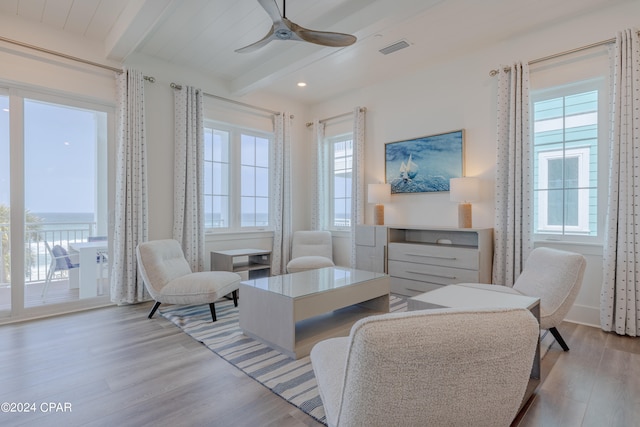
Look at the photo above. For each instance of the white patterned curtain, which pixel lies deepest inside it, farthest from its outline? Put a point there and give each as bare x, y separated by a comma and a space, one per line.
620, 297
357, 177
281, 253
188, 209
320, 205
131, 216
513, 192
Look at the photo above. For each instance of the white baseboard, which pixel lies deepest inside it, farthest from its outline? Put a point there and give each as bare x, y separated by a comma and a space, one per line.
584, 315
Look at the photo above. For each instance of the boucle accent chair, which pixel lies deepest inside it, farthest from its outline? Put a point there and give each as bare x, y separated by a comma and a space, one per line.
168, 277
444, 367
554, 276
310, 250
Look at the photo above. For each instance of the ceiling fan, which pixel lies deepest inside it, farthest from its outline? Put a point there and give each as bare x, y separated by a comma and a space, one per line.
283, 29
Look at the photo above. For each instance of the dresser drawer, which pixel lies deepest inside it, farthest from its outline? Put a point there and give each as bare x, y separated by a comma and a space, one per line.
411, 288
431, 273
439, 255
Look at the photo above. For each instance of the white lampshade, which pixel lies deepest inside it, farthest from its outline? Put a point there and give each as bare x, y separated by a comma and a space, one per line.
464, 189
379, 193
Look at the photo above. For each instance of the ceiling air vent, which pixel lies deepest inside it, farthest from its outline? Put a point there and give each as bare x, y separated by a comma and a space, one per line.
394, 47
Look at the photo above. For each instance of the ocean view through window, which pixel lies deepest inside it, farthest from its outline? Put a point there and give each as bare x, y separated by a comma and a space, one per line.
63, 198
237, 178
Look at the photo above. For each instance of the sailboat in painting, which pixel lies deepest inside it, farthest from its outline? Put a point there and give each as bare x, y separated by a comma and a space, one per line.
408, 170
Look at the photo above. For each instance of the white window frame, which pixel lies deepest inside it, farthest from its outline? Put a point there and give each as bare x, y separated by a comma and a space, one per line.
583, 183
235, 133
331, 142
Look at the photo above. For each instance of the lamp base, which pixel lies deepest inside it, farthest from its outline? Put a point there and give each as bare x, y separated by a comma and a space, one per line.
464, 215
378, 214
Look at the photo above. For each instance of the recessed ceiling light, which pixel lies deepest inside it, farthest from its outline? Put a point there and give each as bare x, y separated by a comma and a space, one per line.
301, 84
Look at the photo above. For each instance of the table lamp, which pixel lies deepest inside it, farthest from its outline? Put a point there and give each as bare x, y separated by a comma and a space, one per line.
378, 194
464, 190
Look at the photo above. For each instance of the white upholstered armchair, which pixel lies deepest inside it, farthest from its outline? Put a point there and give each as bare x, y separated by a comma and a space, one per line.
554, 276
168, 277
443, 367
310, 250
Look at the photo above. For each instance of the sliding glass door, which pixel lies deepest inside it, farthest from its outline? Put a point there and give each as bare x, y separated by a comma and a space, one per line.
59, 166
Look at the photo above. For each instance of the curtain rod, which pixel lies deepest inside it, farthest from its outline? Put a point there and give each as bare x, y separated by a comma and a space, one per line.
556, 55
179, 87
308, 124
64, 55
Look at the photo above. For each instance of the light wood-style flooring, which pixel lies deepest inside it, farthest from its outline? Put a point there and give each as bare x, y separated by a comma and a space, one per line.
115, 367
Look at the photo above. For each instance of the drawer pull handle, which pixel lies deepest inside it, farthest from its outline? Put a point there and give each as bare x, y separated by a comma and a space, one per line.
432, 275
431, 256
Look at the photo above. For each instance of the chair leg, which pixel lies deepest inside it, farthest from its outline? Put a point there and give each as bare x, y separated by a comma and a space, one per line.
235, 297
558, 338
212, 307
153, 310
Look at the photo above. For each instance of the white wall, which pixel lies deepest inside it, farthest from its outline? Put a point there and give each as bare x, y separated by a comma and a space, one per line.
459, 94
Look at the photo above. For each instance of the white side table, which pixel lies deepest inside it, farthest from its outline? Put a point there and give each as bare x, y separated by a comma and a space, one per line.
249, 263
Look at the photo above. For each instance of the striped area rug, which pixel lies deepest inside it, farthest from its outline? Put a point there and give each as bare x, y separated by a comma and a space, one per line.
293, 380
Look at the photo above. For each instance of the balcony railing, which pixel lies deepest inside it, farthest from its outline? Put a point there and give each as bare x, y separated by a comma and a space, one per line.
37, 258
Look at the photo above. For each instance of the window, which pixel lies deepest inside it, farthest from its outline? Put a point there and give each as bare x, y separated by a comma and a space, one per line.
341, 155
565, 137
237, 177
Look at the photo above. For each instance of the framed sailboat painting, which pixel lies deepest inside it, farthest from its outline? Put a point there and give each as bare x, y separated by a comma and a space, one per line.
425, 164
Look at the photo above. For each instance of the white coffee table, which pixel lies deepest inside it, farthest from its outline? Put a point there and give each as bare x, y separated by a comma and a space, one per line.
292, 312
461, 296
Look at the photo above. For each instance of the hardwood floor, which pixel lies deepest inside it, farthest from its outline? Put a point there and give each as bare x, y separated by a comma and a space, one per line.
116, 367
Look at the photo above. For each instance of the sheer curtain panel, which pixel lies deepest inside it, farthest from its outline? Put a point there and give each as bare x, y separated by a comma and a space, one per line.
357, 177
188, 209
620, 297
513, 227
281, 193
131, 217
319, 209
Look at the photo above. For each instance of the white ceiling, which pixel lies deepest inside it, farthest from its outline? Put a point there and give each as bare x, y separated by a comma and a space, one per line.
203, 34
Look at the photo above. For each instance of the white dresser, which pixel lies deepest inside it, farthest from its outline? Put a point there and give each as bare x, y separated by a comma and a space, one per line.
421, 259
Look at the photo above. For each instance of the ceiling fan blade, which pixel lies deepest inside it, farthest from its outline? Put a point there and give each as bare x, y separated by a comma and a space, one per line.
284, 29
325, 38
257, 45
271, 7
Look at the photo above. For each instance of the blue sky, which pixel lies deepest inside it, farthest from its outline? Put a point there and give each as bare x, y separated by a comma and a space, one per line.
60, 157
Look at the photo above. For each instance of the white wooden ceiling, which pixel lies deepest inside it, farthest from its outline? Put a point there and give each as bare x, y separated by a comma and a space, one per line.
203, 34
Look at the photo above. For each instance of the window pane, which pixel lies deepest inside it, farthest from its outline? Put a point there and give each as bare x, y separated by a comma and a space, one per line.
262, 152
208, 177
571, 208
555, 202
208, 145
221, 146
339, 184
247, 212
262, 211
248, 150
340, 213
555, 173
216, 185
262, 182
571, 172
248, 181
